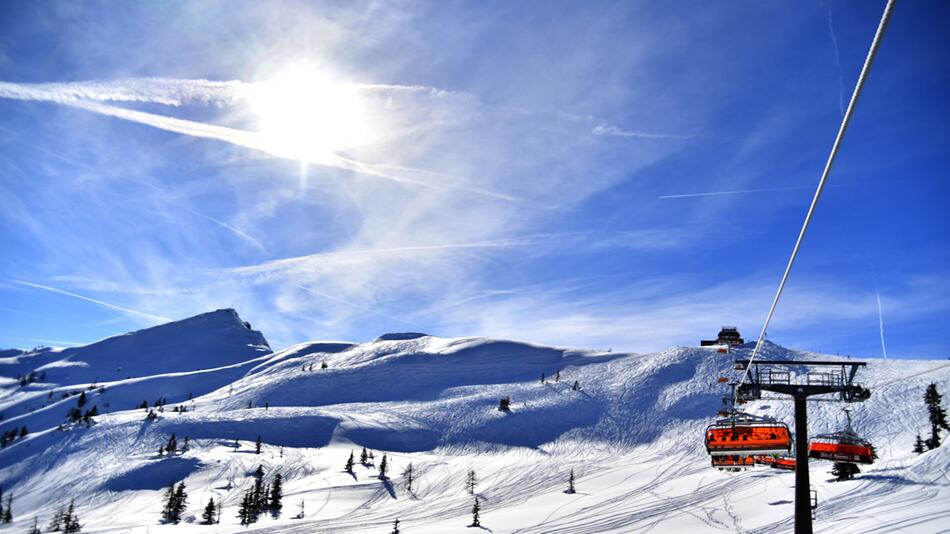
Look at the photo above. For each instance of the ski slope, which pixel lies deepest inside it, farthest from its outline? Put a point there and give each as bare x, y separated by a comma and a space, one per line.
632, 433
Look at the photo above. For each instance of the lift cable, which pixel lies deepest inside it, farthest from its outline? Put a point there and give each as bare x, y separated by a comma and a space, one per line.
824, 176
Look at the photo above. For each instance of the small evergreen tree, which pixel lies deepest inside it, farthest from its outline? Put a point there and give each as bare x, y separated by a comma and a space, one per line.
259, 474
475, 511
938, 416
217, 516
168, 509
471, 481
208, 514
504, 404
409, 476
395, 526
35, 529
23, 432
576, 386
570, 483
323, 365
542, 378
71, 520
364, 456
918, 444
257, 445
82, 400
56, 522
181, 502
349, 464
7, 516
244, 509
844, 470
383, 467
557, 376
172, 446
276, 494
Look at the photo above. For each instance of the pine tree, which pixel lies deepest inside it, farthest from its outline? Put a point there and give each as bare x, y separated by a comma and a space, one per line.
208, 514
557, 376
576, 386
504, 405
349, 464
323, 365
471, 481
542, 378
181, 503
172, 446
918, 444
35, 529
409, 476
257, 445
7, 515
168, 509
395, 526
844, 470
475, 510
364, 456
276, 494
570, 483
56, 522
938, 416
184, 447
23, 432
259, 474
383, 467
82, 400
244, 509
71, 520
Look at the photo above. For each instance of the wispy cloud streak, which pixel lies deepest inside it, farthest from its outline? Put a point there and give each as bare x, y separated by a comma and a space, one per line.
737, 192
611, 130
834, 44
92, 300
174, 92
312, 259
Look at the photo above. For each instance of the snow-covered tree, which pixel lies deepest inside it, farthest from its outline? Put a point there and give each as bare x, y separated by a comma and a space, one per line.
172, 446
364, 457
257, 445
35, 529
208, 514
7, 516
844, 470
276, 494
383, 467
349, 464
475, 514
918, 444
471, 481
395, 526
409, 476
181, 502
570, 483
71, 520
938, 416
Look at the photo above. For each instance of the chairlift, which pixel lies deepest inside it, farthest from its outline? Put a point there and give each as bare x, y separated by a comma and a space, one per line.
733, 462
746, 434
842, 446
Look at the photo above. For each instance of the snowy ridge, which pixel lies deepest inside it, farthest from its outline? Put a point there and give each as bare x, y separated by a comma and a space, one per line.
632, 433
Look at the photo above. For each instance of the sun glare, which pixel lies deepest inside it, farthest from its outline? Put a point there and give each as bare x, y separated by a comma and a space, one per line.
306, 116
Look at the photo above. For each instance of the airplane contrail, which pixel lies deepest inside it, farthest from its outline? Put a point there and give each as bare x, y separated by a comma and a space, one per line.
92, 300
736, 192
880, 319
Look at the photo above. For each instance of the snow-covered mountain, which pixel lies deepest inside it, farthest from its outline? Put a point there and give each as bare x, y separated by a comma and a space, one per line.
631, 431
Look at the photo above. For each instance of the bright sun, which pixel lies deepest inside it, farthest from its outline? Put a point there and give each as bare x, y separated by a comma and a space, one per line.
306, 116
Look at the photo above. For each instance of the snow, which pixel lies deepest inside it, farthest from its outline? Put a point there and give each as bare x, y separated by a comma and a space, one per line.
632, 434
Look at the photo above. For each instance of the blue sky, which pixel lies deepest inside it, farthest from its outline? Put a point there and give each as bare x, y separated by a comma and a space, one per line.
530, 170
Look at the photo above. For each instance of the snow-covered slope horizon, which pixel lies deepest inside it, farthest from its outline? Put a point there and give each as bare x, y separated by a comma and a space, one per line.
629, 425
